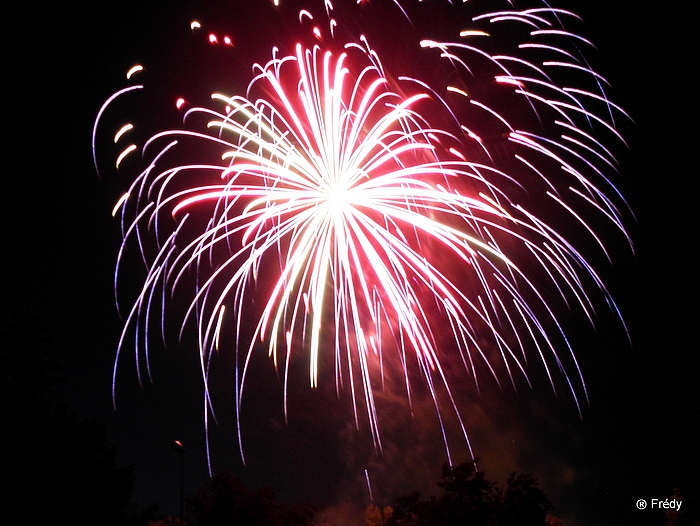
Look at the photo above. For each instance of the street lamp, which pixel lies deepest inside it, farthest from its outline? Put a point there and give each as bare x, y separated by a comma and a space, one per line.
177, 446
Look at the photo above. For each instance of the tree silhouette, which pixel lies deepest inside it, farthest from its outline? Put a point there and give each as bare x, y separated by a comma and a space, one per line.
226, 501
468, 498
522, 503
688, 514
55, 465
376, 516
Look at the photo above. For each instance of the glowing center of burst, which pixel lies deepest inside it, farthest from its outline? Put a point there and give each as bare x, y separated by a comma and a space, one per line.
337, 198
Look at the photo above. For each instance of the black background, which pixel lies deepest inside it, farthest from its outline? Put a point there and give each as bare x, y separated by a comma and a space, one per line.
640, 437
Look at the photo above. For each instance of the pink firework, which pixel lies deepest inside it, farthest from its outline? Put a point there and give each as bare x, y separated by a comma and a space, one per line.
358, 210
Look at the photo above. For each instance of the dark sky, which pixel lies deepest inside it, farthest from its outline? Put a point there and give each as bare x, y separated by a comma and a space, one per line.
640, 436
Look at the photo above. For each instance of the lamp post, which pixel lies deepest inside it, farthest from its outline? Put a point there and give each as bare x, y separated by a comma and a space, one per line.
177, 446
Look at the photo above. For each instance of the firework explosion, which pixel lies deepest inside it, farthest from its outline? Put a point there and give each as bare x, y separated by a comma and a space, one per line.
386, 200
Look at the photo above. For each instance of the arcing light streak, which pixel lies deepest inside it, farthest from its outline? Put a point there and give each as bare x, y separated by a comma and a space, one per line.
355, 205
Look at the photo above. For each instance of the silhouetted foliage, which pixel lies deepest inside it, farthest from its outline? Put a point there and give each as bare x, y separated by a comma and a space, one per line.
376, 516
56, 466
408, 510
468, 498
521, 503
142, 517
688, 514
226, 501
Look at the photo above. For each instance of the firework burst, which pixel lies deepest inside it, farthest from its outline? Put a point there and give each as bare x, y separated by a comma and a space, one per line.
358, 210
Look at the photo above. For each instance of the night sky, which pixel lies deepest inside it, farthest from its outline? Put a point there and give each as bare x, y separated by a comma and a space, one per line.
638, 439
